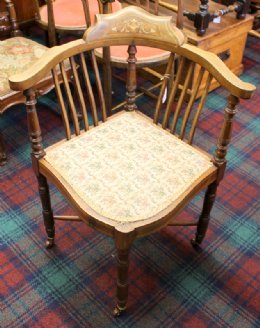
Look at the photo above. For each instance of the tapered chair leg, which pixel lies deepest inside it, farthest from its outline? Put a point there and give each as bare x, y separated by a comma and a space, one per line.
46, 210
205, 214
3, 157
123, 247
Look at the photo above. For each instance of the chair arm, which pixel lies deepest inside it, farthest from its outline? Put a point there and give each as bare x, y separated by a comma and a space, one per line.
219, 70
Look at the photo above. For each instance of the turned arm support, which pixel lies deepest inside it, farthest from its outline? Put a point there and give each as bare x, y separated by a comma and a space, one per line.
34, 129
225, 136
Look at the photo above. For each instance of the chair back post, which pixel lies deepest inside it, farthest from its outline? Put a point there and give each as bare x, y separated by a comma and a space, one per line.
15, 31
52, 38
131, 79
179, 19
37, 14
225, 136
86, 12
105, 8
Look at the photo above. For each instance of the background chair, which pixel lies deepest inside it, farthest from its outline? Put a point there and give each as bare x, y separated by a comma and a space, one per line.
17, 54
61, 17
130, 175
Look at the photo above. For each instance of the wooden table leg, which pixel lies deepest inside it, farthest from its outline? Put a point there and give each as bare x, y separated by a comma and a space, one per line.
3, 158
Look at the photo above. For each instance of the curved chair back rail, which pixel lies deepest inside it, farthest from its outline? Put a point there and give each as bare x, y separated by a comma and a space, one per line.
128, 175
106, 32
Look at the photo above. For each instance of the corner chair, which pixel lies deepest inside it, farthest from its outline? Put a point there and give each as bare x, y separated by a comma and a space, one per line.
129, 175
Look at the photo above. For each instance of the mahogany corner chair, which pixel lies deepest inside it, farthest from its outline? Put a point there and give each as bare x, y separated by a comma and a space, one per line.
128, 176
17, 54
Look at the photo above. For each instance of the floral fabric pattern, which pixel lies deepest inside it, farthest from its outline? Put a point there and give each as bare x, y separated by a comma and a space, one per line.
16, 55
128, 169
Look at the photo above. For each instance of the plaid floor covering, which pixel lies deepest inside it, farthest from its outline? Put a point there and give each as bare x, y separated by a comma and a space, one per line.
171, 285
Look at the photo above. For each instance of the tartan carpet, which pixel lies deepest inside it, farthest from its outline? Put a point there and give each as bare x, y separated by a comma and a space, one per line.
171, 284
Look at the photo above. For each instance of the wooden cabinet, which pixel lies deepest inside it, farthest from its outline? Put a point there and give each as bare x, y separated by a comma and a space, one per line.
228, 44
226, 39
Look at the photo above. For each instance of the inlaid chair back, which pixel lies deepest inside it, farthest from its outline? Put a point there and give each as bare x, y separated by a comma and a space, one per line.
150, 60
128, 175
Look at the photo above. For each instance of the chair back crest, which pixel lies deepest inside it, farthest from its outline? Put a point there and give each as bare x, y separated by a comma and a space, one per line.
176, 108
134, 22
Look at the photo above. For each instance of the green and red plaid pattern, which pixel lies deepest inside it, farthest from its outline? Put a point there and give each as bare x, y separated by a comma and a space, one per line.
171, 284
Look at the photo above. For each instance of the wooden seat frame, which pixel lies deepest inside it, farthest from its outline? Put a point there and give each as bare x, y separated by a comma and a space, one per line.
131, 26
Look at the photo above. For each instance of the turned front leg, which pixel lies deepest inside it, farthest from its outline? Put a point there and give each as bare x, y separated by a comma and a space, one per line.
123, 244
46, 210
122, 281
205, 214
3, 157
220, 161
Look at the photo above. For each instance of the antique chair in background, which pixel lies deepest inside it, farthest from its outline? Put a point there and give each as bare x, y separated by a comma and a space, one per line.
70, 17
128, 175
17, 53
66, 17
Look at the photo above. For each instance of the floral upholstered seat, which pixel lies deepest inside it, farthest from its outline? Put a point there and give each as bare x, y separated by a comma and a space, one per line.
124, 174
16, 55
137, 169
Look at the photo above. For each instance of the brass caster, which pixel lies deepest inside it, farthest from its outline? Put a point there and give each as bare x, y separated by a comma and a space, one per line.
195, 244
117, 312
49, 243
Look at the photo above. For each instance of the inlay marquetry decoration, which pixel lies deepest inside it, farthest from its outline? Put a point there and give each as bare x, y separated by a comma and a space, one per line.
127, 174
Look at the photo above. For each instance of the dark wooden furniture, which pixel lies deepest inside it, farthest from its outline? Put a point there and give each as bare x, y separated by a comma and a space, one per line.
17, 54
203, 16
25, 9
226, 39
128, 176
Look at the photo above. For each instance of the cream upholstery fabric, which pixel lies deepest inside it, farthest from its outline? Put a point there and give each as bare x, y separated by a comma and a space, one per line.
128, 169
16, 55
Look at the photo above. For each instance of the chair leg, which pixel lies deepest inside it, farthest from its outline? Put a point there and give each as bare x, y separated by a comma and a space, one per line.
3, 157
205, 214
122, 281
46, 210
123, 244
